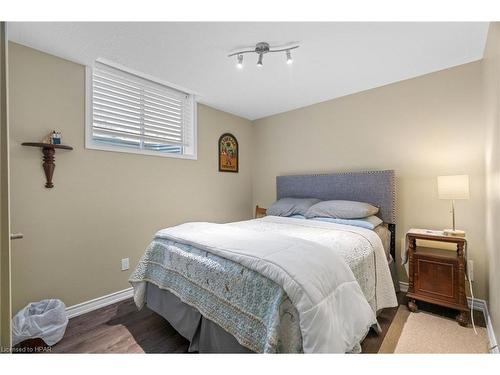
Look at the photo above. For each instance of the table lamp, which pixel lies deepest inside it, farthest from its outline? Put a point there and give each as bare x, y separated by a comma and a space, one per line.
453, 187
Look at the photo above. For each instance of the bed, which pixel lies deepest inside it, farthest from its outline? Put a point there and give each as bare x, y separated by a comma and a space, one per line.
276, 284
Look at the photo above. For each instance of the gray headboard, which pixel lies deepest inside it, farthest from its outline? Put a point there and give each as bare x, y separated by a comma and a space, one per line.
374, 187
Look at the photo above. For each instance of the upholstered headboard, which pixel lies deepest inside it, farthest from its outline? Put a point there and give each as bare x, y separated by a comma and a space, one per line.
374, 187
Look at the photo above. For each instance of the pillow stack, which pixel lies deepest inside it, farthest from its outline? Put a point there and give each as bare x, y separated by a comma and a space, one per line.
359, 214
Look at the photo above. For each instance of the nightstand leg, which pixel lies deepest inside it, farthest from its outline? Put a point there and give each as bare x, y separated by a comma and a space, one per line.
463, 318
412, 306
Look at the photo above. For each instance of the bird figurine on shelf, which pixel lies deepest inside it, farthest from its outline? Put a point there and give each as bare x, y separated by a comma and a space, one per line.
47, 138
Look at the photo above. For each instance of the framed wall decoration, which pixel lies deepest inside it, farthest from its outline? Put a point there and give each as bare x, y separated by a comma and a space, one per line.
228, 153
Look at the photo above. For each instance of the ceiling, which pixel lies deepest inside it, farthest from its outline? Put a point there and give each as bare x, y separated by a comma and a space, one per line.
334, 59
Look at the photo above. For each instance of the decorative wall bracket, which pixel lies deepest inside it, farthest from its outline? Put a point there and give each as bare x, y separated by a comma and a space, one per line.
48, 151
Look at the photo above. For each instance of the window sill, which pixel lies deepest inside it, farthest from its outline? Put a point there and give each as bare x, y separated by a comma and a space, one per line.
91, 146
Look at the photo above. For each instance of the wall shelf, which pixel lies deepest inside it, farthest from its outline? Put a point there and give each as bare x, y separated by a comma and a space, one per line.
48, 151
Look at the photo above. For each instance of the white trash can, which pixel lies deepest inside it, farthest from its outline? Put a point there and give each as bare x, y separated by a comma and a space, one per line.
46, 319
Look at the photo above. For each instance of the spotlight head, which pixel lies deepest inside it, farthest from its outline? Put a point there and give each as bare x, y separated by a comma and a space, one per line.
259, 63
289, 59
239, 64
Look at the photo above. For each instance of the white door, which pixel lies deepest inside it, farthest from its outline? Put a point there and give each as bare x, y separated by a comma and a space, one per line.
5, 237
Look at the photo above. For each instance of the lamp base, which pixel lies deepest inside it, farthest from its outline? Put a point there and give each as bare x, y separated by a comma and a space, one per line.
454, 233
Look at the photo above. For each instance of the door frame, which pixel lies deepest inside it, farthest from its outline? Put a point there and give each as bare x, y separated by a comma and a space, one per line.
5, 263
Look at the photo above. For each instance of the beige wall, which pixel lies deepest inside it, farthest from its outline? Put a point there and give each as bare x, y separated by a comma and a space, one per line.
422, 128
105, 206
491, 69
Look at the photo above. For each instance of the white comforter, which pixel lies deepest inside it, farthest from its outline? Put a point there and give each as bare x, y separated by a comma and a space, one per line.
348, 241
334, 313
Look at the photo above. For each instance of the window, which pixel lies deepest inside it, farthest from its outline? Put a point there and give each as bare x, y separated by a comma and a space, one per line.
128, 112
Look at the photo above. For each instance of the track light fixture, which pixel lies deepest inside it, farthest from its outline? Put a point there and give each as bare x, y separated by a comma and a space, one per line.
259, 63
239, 65
261, 49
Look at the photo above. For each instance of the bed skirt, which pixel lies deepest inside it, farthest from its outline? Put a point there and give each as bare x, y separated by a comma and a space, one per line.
204, 335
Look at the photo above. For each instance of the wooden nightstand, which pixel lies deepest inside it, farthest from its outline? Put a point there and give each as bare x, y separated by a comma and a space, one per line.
436, 275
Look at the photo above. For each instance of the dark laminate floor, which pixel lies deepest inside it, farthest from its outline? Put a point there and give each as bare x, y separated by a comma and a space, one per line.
120, 328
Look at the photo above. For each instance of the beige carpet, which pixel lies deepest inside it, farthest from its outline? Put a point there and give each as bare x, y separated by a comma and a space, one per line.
427, 333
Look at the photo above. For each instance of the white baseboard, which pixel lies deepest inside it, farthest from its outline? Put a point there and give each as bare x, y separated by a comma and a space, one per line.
403, 287
99, 302
479, 305
489, 328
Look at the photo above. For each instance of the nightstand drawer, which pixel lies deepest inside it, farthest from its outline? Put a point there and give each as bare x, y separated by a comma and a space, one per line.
435, 278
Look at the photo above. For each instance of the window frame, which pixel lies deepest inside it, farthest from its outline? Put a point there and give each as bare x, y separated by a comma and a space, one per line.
91, 145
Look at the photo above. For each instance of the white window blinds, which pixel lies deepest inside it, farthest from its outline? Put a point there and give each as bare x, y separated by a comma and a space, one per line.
130, 112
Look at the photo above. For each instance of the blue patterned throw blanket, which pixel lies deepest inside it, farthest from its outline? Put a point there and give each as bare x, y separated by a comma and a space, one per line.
251, 307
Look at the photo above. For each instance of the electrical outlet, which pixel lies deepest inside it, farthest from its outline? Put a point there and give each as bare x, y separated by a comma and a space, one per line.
470, 269
125, 264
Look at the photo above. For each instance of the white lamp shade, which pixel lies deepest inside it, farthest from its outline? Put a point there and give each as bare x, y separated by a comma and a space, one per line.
453, 187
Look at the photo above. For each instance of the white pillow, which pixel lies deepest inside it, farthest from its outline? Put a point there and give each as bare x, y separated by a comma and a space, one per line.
370, 222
